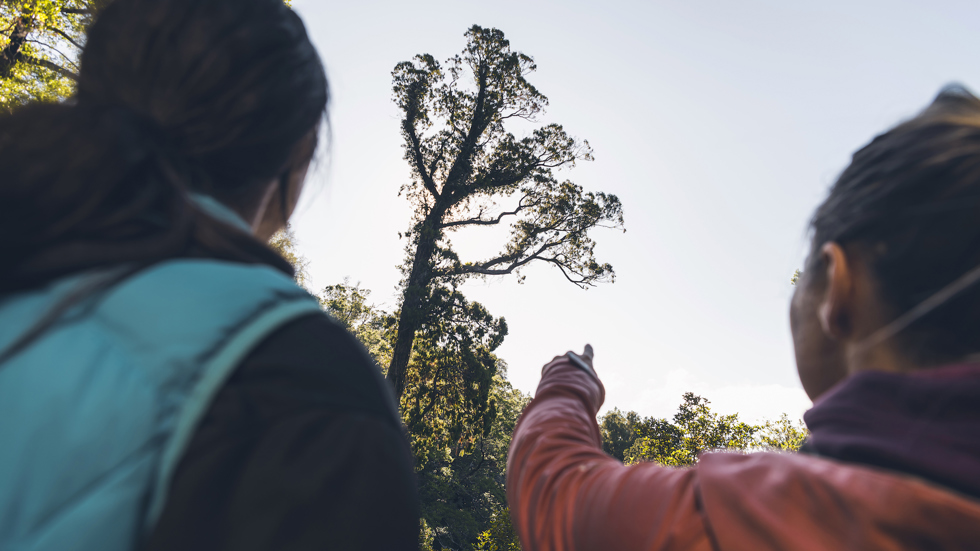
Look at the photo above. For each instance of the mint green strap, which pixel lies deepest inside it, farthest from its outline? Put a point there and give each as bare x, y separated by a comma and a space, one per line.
213, 377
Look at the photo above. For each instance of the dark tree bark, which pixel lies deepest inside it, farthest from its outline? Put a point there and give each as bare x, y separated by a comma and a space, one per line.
10, 54
413, 300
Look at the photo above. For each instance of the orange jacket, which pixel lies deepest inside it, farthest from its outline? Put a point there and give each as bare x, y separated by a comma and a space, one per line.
566, 494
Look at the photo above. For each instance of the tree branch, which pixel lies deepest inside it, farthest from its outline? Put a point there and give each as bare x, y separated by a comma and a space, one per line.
479, 221
435, 162
49, 65
486, 268
418, 158
56, 50
579, 282
64, 35
462, 165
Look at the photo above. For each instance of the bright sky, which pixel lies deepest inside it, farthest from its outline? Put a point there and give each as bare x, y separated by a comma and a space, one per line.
720, 125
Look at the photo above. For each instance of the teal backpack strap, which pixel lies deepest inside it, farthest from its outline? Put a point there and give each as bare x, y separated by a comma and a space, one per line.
213, 376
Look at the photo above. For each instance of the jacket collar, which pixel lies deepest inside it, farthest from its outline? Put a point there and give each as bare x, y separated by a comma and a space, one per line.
926, 424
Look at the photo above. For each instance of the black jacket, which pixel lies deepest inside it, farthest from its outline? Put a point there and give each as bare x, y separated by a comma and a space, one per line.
303, 448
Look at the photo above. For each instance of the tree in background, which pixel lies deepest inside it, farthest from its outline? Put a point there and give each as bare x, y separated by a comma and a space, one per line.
40, 43
695, 429
500, 536
284, 243
374, 327
469, 171
460, 460
463, 496
782, 435
619, 430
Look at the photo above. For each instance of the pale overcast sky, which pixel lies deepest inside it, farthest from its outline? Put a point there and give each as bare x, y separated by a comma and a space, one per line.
720, 125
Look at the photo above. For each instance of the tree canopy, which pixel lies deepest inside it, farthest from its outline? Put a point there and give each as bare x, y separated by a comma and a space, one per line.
41, 42
694, 430
468, 171
40, 45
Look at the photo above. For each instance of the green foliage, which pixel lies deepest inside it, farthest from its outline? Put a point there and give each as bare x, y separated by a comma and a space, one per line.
460, 416
427, 536
469, 171
501, 536
694, 430
374, 327
40, 43
465, 163
782, 435
619, 431
461, 481
284, 243
447, 400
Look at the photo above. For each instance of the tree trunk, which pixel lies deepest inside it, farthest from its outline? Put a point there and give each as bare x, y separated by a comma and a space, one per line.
414, 297
18, 36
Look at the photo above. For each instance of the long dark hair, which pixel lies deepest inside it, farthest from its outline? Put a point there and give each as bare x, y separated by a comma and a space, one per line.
909, 204
175, 96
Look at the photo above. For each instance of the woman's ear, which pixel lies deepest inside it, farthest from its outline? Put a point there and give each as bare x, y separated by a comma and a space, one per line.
836, 308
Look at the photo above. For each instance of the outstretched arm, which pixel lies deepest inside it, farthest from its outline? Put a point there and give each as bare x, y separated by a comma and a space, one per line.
566, 494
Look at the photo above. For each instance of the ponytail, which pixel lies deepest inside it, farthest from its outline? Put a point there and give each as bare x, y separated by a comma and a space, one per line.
88, 187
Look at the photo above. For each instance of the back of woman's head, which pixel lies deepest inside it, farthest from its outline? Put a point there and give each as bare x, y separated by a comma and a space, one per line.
219, 97
909, 206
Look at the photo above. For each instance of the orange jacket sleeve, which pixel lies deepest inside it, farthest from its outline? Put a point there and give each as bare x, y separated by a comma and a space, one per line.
566, 494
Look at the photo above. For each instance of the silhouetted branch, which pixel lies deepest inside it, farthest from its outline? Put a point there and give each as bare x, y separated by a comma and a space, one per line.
64, 35
479, 221
49, 65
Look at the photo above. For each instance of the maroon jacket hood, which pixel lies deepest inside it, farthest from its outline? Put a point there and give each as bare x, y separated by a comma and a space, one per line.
926, 424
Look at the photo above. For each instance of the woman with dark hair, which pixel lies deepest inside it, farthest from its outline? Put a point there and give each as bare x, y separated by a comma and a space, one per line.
885, 325
164, 383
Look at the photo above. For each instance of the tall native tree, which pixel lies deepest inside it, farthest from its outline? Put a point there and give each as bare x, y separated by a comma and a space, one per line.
468, 170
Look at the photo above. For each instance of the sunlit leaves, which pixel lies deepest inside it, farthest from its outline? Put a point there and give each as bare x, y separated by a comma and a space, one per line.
458, 406
447, 403
374, 327
782, 435
40, 43
284, 243
464, 495
40, 46
694, 430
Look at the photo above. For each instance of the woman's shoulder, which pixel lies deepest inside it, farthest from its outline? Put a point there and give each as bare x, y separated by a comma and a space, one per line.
314, 362
800, 497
